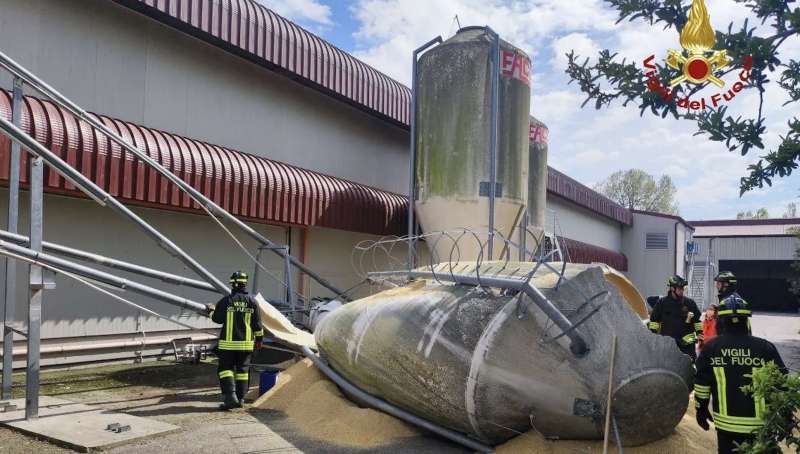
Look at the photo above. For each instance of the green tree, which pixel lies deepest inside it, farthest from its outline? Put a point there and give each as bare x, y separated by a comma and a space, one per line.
781, 394
636, 189
760, 213
609, 80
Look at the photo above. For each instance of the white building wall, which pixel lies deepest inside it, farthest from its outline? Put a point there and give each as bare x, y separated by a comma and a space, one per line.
113, 61
650, 268
749, 248
580, 224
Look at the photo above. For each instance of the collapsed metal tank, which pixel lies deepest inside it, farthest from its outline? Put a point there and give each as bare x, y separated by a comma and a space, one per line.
488, 362
537, 173
453, 134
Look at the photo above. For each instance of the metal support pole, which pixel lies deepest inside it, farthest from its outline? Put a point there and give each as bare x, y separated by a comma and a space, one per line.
98, 194
111, 263
523, 236
256, 271
291, 298
11, 265
102, 277
495, 75
36, 290
412, 163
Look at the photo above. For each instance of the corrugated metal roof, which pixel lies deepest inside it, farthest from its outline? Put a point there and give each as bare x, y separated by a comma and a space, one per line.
580, 252
251, 187
570, 189
745, 230
252, 31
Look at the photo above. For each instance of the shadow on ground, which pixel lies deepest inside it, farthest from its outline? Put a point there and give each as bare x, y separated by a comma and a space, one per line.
283, 426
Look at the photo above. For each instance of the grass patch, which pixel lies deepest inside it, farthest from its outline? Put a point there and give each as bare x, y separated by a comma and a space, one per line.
150, 374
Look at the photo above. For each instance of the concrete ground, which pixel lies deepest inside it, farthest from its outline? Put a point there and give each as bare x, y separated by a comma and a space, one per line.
783, 330
186, 396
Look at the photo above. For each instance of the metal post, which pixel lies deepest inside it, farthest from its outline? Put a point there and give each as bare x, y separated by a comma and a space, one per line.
36, 290
412, 163
291, 298
495, 75
11, 265
254, 285
523, 236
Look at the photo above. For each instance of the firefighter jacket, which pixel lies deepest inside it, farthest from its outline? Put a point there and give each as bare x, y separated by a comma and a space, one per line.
725, 365
679, 319
241, 324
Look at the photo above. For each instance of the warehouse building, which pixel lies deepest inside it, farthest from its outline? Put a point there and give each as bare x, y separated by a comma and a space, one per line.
305, 142
760, 252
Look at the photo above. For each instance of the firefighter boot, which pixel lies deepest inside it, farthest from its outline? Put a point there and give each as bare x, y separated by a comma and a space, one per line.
229, 400
241, 390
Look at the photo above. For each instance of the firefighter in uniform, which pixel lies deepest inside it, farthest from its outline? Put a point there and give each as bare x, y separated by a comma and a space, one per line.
727, 363
677, 316
726, 287
241, 331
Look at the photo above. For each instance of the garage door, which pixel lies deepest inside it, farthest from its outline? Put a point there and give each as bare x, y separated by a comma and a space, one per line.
764, 283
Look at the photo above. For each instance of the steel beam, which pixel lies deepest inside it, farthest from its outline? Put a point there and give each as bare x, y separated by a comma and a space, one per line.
100, 276
112, 263
578, 344
101, 196
412, 163
17, 69
493, 131
36, 290
10, 301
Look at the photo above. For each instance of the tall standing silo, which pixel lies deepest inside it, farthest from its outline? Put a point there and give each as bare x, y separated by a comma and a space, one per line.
453, 134
537, 176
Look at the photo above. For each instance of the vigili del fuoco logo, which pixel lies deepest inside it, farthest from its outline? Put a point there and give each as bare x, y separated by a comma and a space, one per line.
698, 63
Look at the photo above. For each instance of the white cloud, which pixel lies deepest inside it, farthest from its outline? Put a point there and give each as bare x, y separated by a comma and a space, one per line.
578, 42
301, 10
391, 29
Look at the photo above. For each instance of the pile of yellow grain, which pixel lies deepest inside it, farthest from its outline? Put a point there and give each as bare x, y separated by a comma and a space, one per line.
688, 437
318, 408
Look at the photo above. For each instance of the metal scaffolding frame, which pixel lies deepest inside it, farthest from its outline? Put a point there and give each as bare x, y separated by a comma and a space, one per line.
37, 281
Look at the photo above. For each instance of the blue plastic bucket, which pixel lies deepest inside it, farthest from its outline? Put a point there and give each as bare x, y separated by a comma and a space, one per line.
266, 380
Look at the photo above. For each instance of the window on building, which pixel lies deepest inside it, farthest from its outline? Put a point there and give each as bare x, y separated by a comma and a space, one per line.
656, 240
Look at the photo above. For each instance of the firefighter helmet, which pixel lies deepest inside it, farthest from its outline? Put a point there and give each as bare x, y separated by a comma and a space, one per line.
733, 306
676, 281
726, 277
238, 278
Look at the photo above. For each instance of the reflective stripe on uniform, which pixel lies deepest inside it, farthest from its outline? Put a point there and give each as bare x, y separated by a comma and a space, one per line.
259, 333
211, 314
689, 338
737, 424
759, 404
654, 325
731, 312
248, 331
229, 326
702, 392
225, 374
722, 390
698, 326
242, 377
236, 345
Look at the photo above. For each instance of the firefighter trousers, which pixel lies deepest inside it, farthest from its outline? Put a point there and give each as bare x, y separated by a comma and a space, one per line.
232, 371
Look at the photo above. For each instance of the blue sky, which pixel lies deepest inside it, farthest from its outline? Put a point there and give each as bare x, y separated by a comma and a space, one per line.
585, 143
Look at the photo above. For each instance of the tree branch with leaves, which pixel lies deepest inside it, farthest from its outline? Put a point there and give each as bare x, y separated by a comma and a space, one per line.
610, 80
